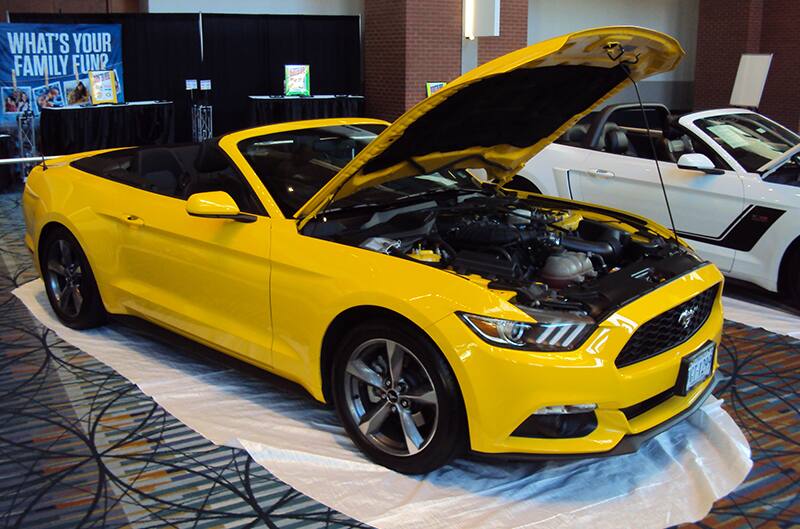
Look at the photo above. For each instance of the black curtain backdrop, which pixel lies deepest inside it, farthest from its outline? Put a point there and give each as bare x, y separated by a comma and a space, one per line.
243, 55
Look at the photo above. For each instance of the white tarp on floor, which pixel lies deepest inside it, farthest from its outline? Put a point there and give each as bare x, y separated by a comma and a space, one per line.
759, 316
674, 478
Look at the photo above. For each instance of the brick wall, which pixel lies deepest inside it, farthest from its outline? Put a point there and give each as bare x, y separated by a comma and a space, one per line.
728, 28
780, 37
384, 57
433, 45
406, 44
513, 31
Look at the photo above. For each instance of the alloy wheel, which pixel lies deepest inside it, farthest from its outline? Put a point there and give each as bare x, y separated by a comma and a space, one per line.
391, 397
64, 277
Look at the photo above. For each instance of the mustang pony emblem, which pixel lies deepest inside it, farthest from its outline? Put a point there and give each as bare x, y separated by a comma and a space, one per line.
686, 317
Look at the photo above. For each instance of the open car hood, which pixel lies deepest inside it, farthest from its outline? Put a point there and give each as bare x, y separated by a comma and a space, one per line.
499, 115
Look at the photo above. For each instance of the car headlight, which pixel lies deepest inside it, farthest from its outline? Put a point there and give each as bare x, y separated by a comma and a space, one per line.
553, 331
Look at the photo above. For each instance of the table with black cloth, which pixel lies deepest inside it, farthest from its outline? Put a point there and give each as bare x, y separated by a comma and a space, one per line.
77, 129
7, 172
265, 110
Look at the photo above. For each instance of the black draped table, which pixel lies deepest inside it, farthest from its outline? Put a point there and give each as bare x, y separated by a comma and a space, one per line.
77, 129
265, 110
7, 172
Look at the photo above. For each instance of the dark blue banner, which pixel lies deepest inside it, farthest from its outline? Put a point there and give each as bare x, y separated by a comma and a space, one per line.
47, 65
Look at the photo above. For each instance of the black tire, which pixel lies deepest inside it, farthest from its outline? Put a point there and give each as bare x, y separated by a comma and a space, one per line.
442, 438
69, 281
791, 276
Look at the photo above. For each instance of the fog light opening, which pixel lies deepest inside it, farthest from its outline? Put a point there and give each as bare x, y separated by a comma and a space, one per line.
566, 409
559, 422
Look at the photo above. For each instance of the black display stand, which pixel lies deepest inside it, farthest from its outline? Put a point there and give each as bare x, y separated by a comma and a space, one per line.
79, 129
265, 110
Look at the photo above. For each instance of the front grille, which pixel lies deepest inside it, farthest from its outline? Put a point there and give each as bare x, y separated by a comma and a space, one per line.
668, 330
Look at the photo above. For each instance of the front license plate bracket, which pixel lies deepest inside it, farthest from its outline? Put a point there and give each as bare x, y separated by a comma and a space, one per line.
695, 369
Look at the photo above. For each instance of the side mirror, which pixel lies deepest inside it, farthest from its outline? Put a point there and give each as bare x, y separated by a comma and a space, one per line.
216, 205
698, 162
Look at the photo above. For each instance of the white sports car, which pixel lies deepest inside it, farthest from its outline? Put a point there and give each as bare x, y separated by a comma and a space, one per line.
732, 177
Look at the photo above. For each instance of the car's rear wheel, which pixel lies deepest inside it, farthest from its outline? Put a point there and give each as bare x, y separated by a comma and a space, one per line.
397, 398
69, 281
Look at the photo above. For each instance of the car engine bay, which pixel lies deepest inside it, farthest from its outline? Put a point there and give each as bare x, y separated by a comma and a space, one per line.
540, 251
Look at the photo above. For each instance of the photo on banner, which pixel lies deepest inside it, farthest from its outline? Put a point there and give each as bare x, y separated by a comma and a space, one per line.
50, 95
77, 91
16, 100
47, 65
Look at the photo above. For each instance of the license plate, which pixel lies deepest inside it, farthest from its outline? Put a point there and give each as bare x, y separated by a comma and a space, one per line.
696, 368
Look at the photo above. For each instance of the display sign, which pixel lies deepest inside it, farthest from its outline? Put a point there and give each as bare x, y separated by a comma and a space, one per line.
48, 65
432, 88
103, 85
205, 84
191, 84
750, 79
297, 80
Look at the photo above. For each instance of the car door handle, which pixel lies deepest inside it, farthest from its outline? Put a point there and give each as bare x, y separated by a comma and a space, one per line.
133, 220
602, 173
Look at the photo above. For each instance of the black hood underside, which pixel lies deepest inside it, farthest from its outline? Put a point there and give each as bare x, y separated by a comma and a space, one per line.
526, 105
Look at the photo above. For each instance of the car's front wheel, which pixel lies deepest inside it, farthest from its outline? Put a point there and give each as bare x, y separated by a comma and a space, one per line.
790, 276
398, 398
69, 281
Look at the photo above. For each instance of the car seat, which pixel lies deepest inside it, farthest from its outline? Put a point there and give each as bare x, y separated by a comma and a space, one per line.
159, 171
674, 141
576, 135
615, 140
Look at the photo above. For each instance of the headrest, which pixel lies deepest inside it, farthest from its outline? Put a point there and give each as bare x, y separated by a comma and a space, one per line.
210, 158
681, 145
576, 133
616, 141
672, 130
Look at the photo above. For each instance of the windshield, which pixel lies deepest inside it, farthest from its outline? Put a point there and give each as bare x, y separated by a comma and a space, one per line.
295, 165
751, 139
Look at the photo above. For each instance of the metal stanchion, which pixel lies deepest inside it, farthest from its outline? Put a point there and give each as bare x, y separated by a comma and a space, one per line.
202, 122
26, 140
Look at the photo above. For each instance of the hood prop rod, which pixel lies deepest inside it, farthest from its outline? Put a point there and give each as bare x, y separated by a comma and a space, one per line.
615, 53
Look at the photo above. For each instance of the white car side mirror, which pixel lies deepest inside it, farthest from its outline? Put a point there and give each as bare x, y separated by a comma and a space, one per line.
698, 162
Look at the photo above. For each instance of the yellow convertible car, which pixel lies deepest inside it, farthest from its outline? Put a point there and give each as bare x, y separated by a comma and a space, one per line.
386, 270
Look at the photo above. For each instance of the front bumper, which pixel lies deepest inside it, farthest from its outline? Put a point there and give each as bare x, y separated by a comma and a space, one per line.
628, 445
502, 388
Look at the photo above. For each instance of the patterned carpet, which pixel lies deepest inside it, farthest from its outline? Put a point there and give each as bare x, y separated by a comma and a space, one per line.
80, 446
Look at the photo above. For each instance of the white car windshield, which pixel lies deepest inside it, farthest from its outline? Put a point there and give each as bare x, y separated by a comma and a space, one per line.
751, 139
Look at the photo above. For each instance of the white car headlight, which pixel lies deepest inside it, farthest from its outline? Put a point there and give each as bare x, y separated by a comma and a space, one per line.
553, 331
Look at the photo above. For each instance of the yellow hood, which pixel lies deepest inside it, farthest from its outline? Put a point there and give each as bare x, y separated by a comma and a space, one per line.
499, 115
